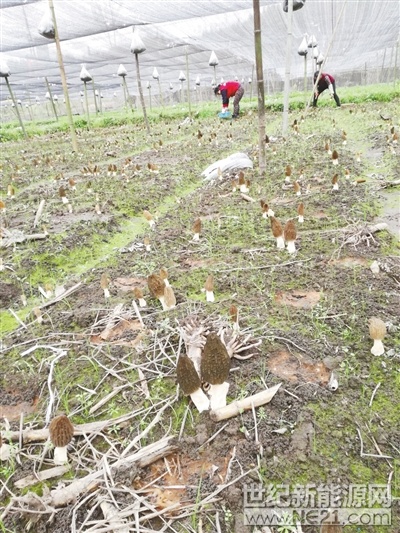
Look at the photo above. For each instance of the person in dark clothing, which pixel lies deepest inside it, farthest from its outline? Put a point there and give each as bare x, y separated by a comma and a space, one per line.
326, 81
228, 90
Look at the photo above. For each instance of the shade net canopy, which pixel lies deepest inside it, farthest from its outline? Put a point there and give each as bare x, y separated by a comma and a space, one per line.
180, 36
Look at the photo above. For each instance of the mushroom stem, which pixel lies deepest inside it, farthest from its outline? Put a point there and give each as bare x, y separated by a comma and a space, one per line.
196, 237
194, 353
200, 400
60, 455
291, 247
142, 302
5, 452
164, 305
210, 296
218, 395
301, 219
280, 242
377, 347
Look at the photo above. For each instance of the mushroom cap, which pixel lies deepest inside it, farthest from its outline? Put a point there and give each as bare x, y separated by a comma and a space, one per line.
335, 179
289, 231
288, 170
209, 284
156, 285
197, 226
377, 328
169, 297
147, 215
233, 312
241, 178
186, 375
104, 281
215, 361
61, 431
137, 292
262, 203
163, 273
300, 209
335, 155
296, 186
276, 227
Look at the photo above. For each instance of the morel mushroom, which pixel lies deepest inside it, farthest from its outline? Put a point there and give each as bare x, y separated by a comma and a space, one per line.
190, 383
61, 432
149, 217
138, 294
209, 288
156, 287
335, 183
300, 212
277, 232
164, 275
297, 188
214, 367
104, 283
377, 331
289, 233
5, 450
335, 157
196, 229
288, 173
266, 211
169, 297
242, 183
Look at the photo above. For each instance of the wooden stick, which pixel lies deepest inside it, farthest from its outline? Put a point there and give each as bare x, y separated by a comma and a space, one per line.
39, 213
40, 435
41, 476
235, 408
144, 457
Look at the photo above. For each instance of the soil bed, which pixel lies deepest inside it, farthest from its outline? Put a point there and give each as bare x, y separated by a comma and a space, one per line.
302, 318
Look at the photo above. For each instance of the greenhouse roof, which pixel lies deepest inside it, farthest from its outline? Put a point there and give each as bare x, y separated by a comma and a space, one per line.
177, 33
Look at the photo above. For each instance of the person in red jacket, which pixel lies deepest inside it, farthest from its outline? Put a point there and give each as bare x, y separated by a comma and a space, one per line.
228, 90
326, 81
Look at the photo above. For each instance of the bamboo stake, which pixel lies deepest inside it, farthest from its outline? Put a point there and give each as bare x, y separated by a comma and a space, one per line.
87, 103
260, 87
141, 93
16, 107
53, 105
287, 69
94, 97
188, 81
237, 407
64, 80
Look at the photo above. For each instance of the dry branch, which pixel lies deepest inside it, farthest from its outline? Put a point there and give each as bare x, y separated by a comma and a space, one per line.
32, 479
144, 457
68, 292
40, 435
239, 406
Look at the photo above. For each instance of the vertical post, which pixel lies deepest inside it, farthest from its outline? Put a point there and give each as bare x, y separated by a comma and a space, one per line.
252, 81
161, 96
287, 69
53, 105
16, 108
94, 97
383, 65
396, 55
141, 93
305, 79
260, 86
87, 103
188, 82
64, 80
